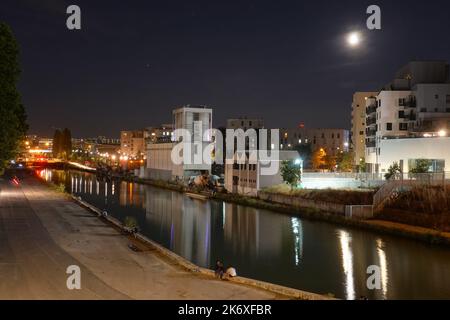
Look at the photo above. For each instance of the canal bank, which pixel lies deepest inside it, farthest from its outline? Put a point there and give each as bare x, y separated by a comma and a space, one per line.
262, 244
289, 293
43, 232
318, 211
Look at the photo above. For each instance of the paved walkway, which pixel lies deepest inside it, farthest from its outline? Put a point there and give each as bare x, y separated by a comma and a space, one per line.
42, 233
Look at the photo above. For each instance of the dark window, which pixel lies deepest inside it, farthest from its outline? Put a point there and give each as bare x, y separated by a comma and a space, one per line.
338, 135
361, 133
401, 102
403, 126
423, 109
401, 114
447, 110
389, 126
447, 99
436, 96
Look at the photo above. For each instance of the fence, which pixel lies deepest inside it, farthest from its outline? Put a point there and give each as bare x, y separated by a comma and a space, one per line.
359, 212
344, 175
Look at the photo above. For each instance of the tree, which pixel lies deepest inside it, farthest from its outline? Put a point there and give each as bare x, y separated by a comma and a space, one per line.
66, 143
318, 159
290, 172
13, 126
57, 143
362, 165
345, 161
422, 166
304, 150
330, 162
393, 170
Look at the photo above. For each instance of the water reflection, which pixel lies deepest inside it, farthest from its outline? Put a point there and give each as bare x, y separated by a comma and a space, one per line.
265, 245
383, 267
297, 230
347, 264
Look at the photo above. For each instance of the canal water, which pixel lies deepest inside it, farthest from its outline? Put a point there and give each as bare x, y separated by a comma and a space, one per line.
313, 256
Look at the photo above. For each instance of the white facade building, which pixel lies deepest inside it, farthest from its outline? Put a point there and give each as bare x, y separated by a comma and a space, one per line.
196, 122
247, 179
406, 118
408, 150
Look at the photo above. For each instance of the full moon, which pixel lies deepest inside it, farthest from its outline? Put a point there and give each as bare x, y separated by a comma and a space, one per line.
354, 39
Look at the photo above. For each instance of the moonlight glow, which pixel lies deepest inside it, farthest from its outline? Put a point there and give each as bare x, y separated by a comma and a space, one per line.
354, 39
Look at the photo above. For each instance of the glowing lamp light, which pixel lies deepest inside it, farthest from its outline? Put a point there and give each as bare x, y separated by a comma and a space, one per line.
298, 162
442, 133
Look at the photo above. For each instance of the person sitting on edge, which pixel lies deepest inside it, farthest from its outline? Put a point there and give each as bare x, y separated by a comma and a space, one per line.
231, 272
219, 269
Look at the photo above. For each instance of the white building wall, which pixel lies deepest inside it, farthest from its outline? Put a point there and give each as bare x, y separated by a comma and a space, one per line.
396, 150
433, 97
159, 162
387, 112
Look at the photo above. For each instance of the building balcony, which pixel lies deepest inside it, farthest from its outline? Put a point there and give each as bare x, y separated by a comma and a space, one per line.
410, 103
371, 110
371, 121
371, 144
371, 133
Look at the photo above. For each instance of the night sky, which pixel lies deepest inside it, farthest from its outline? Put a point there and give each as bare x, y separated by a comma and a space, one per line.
284, 61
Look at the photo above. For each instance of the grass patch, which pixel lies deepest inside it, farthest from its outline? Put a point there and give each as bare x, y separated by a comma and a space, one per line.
425, 206
339, 196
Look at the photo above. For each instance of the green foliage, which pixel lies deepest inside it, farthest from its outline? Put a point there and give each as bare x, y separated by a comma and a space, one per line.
290, 172
345, 161
422, 166
318, 159
362, 165
393, 170
330, 162
13, 125
305, 152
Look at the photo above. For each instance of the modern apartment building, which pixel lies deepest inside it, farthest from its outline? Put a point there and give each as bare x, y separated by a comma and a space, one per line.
245, 123
247, 178
333, 141
132, 143
358, 132
196, 121
161, 134
414, 110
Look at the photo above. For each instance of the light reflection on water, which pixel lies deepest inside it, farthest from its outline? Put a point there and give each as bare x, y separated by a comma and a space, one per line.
311, 256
